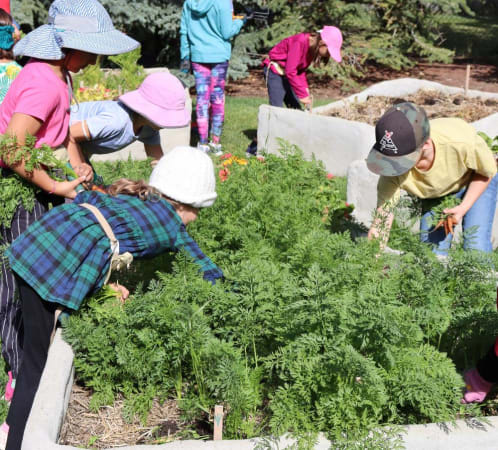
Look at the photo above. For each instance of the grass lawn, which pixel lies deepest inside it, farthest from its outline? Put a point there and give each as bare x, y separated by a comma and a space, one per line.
241, 121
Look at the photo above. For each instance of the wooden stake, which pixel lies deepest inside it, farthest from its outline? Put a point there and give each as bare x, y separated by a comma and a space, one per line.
218, 423
467, 78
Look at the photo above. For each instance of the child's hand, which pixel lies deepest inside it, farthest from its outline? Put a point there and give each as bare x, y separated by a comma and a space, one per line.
122, 292
84, 170
456, 212
67, 188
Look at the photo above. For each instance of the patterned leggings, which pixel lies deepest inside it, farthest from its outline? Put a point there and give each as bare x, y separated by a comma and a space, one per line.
11, 329
210, 86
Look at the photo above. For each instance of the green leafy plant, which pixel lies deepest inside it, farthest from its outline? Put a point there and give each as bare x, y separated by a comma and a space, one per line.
15, 189
492, 142
310, 331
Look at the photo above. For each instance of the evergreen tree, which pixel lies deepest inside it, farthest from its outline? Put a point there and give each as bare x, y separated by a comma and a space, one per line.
392, 33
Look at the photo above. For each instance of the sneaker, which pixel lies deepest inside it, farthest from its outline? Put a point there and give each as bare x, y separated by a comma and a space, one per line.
204, 147
476, 387
9, 388
252, 148
216, 148
4, 433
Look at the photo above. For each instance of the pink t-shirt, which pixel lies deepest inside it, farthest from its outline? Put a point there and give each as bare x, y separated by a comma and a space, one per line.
292, 55
38, 92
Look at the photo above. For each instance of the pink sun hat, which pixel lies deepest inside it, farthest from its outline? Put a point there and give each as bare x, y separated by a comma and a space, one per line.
333, 38
161, 99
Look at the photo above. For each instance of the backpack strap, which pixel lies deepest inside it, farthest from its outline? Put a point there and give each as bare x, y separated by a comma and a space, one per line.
117, 260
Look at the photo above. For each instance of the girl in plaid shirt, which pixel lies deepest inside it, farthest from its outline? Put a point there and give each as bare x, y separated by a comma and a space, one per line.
37, 103
67, 254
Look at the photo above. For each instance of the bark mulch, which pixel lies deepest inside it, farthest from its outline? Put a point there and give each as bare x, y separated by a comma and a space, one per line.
435, 103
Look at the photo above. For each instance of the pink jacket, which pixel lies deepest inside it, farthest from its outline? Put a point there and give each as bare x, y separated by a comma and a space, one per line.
292, 55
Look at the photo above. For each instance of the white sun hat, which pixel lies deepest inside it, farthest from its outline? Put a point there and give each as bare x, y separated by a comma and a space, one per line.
75, 24
186, 175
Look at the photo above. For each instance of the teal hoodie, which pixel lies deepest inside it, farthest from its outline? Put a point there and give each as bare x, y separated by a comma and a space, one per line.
206, 29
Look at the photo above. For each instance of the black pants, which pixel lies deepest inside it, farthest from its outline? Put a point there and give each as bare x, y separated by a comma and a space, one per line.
280, 90
10, 310
38, 317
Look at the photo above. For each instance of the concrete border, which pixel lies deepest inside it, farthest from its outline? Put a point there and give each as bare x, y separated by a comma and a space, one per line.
52, 398
338, 142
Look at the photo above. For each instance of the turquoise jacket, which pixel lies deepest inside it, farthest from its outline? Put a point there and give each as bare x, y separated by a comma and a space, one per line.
206, 29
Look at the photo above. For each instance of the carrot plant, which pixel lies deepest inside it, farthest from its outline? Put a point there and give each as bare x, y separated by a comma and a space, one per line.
310, 331
14, 188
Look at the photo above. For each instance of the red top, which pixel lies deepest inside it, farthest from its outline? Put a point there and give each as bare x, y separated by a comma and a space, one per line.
5, 5
292, 55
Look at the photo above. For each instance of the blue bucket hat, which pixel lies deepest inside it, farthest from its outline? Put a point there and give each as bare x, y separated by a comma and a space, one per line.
75, 24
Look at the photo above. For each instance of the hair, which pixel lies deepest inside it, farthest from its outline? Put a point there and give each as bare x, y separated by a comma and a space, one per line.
314, 48
139, 189
5, 20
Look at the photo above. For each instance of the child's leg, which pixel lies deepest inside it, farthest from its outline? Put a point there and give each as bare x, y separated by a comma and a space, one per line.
38, 317
218, 79
275, 86
478, 222
10, 308
290, 99
202, 74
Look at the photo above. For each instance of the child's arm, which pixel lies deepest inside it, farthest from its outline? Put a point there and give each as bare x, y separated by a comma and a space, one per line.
210, 270
19, 126
477, 186
78, 132
184, 43
228, 26
381, 226
154, 151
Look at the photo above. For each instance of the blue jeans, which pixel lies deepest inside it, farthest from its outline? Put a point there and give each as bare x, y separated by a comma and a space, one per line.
477, 224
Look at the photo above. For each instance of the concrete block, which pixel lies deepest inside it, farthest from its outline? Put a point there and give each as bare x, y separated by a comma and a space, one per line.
336, 142
362, 191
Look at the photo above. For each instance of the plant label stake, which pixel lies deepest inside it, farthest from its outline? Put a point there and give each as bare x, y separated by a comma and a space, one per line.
467, 79
218, 423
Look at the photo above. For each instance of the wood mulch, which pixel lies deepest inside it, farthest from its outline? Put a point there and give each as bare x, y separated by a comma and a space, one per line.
435, 103
107, 428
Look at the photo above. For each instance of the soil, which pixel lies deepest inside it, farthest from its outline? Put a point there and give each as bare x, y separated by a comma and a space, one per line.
482, 77
436, 104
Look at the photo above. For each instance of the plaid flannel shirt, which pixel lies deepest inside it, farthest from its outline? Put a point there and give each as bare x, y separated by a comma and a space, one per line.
65, 255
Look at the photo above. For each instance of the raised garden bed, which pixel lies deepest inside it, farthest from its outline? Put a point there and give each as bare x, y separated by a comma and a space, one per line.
338, 141
436, 104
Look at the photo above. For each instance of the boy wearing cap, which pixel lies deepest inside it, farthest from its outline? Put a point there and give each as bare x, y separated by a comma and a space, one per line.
107, 126
431, 160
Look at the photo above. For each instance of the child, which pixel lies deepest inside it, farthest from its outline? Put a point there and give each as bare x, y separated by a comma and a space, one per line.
285, 67
205, 32
108, 126
37, 103
431, 160
67, 254
481, 379
8, 67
